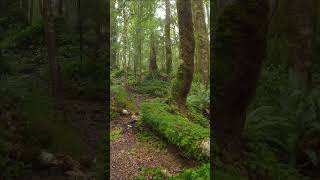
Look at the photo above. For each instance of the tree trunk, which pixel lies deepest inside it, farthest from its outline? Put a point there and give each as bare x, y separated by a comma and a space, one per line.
60, 7
238, 57
125, 44
51, 47
168, 38
300, 41
182, 84
80, 33
3, 7
153, 68
202, 41
30, 12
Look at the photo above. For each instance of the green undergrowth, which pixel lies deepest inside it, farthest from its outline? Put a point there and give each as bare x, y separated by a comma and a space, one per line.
121, 99
21, 36
202, 172
198, 118
151, 140
199, 173
48, 128
178, 130
152, 87
115, 134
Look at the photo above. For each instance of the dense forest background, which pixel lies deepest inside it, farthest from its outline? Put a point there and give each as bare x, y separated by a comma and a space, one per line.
265, 106
266, 89
160, 89
53, 61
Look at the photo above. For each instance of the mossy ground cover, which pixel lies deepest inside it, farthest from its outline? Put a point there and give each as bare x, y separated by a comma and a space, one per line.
178, 130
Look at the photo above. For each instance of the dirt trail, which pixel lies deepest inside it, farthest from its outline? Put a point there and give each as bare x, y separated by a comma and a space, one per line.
128, 154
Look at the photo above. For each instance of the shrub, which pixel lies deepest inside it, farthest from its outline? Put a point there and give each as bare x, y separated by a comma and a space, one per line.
198, 118
199, 97
152, 87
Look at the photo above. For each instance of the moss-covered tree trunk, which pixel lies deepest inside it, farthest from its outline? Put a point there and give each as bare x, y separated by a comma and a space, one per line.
202, 41
239, 49
301, 26
168, 38
125, 45
182, 83
153, 67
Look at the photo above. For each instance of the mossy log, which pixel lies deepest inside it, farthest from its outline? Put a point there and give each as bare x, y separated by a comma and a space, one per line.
192, 139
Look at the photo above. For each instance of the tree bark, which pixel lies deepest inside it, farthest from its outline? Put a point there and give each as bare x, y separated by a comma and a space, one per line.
239, 50
202, 41
168, 38
51, 48
182, 83
153, 67
301, 25
60, 7
30, 12
125, 44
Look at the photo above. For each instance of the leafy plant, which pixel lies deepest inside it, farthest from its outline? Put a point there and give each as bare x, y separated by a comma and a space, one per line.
115, 134
292, 128
199, 97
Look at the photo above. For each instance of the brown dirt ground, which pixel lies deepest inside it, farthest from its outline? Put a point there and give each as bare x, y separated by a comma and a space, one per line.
128, 154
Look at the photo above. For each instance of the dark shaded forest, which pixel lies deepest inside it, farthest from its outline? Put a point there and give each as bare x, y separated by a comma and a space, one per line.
259, 58
266, 108
53, 60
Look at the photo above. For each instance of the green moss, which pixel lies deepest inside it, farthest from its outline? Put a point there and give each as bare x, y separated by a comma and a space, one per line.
115, 134
175, 128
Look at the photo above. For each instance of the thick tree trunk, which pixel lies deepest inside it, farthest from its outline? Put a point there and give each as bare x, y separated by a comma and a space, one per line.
300, 41
3, 7
182, 84
238, 57
153, 67
202, 41
30, 12
168, 38
51, 48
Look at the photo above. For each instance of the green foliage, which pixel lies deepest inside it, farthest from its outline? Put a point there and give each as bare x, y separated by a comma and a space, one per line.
48, 128
115, 134
21, 37
199, 173
262, 162
152, 87
176, 129
202, 172
198, 118
290, 129
199, 97
154, 172
121, 98
151, 139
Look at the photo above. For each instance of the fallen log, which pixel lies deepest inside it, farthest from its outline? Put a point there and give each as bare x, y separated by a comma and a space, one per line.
192, 139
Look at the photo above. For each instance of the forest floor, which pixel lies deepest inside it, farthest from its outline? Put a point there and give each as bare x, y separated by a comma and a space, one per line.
129, 154
86, 117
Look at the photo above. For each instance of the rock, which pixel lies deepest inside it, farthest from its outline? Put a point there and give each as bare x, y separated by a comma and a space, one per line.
125, 112
205, 147
46, 158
